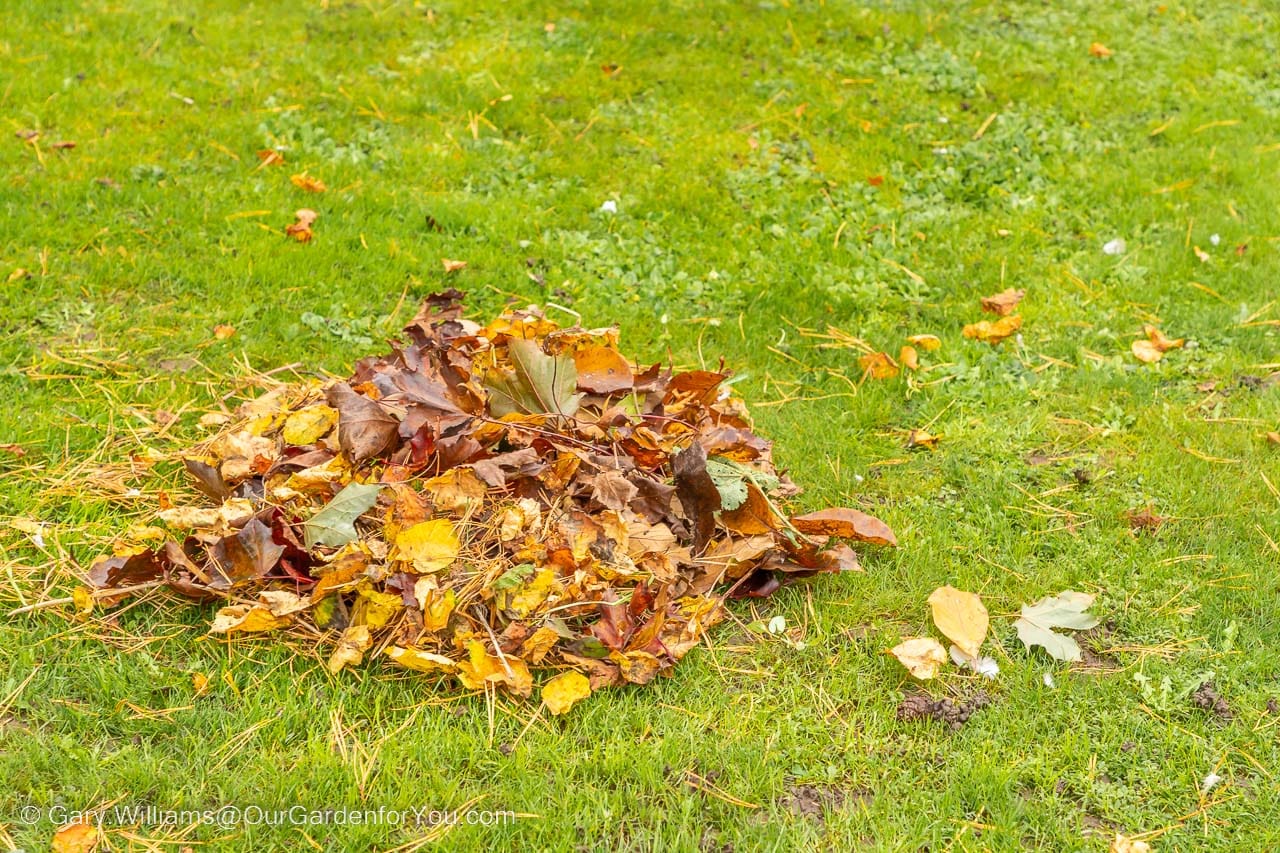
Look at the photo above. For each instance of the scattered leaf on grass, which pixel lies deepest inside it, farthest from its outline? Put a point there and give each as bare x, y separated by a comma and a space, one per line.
993, 331
1125, 844
928, 343
922, 656
1144, 519
564, 691
922, 438
878, 365
1098, 50
1002, 303
301, 229
452, 266
80, 837
1155, 346
270, 157
909, 358
961, 617
306, 182
1064, 610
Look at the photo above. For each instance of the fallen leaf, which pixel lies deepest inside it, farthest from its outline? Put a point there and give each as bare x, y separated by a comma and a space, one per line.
80, 837
909, 358
602, 370
537, 384
993, 332
961, 618
222, 331
335, 524
418, 660
922, 656
564, 691
429, 546
1146, 352
452, 266
350, 650
1065, 610
304, 181
928, 343
1144, 519
301, 229
922, 438
270, 157
1155, 346
1125, 844
1002, 303
847, 524
309, 425
365, 429
1201, 254
879, 365
1098, 50
246, 619
1273, 437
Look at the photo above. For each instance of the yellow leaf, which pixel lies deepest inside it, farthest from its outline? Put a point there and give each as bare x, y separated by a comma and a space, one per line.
76, 838
909, 358
452, 266
436, 609
1098, 50
482, 667
922, 656
928, 343
993, 332
523, 600
456, 490
374, 609
418, 660
1125, 844
309, 425
199, 683
538, 643
351, 648
308, 183
83, 599
222, 331
564, 691
244, 619
429, 546
961, 618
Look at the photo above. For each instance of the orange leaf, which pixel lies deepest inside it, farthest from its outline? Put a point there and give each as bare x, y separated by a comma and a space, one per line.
847, 524
306, 182
1002, 303
602, 370
993, 332
879, 364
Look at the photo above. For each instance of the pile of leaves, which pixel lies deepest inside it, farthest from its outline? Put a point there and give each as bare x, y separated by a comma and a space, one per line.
483, 501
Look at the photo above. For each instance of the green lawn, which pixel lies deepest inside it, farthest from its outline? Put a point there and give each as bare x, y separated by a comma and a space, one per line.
744, 147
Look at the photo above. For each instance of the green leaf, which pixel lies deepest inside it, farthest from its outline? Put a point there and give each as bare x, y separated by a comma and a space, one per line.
335, 524
1065, 610
514, 577
731, 479
538, 384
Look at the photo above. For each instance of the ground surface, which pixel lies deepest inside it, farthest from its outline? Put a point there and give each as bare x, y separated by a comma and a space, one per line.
775, 167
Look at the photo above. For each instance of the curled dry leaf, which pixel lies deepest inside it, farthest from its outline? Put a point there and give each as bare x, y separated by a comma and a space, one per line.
993, 332
306, 182
1002, 303
878, 365
452, 266
909, 358
1098, 50
847, 524
922, 656
928, 343
79, 837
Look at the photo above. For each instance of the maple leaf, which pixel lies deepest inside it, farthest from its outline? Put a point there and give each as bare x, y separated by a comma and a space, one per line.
1065, 610
537, 383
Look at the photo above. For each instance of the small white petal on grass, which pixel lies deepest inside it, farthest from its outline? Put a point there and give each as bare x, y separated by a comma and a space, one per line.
986, 667
1215, 239
1210, 782
1048, 681
609, 206
777, 624
1114, 247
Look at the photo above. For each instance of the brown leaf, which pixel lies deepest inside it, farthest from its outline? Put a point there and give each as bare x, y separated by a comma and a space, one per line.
879, 365
612, 490
1004, 302
1098, 50
126, 570
846, 524
365, 429
697, 492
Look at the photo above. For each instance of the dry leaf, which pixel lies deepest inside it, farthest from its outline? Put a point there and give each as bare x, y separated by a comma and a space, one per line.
993, 332
1155, 346
308, 183
246, 619
880, 365
1146, 352
909, 358
76, 838
270, 157
222, 331
350, 650
1125, 844
564, 691
847, 524
419, 660
301, 230
452, 266
429, 546
1002, 303
922, 438
928, 343
922, 656
1098, 50
961, 618
309, 425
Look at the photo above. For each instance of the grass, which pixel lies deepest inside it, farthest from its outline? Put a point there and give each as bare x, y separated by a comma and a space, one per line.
738, 143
